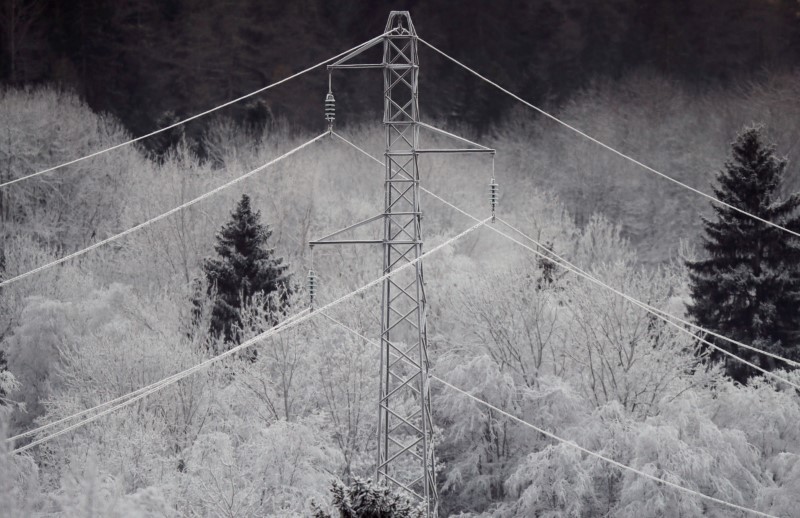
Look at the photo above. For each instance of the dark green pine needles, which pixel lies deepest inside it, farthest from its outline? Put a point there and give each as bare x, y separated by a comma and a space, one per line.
245, 267
748, 286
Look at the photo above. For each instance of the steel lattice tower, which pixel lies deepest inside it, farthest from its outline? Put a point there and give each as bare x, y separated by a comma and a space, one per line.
405, 432
405, 426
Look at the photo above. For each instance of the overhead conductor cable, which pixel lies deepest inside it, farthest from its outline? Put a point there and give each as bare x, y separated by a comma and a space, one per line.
567, 442
289, 323
606, 146
150, 221
662, 315
197, 116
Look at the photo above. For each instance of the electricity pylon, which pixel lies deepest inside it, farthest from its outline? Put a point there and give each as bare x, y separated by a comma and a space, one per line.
405, 456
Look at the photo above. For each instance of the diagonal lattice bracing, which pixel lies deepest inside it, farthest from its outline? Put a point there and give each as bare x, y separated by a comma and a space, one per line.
405, 457
405, 446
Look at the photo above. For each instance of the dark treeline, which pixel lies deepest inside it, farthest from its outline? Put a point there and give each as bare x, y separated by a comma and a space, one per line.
149, 61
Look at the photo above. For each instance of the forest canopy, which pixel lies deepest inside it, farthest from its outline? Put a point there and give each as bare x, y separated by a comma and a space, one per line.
148, 59
268, 434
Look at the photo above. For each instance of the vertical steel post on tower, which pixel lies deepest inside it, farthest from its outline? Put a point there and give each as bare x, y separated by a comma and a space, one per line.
405, 424
405, 456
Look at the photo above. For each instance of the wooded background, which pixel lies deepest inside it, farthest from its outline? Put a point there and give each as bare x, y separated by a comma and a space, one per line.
146, 59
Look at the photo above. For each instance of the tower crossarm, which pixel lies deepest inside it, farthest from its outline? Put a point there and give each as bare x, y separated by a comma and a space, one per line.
405, 456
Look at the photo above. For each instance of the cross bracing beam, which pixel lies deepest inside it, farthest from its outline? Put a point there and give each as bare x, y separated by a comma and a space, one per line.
405, 456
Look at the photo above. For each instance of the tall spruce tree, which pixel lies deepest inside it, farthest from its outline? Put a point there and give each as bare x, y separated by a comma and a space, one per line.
748, 286
245, 268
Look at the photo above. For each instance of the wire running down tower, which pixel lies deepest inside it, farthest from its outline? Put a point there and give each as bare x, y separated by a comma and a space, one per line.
405, 457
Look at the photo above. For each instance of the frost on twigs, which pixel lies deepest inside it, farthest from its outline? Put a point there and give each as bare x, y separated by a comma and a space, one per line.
365, 499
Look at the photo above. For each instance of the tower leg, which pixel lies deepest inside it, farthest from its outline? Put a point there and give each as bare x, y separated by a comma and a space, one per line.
405, 425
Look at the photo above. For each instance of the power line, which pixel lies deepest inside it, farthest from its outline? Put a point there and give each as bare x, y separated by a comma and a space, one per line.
114, 401
193, 117
305, 315
160, 216
609, 148
302, 316
453, 136
583, 272
662, 315
655, 312
608, 460
132, 397
571, 444
644, 305
294, 321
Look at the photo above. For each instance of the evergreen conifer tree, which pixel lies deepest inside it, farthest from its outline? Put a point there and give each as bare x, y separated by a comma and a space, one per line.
245, 267
365, 499
748, 286
546, 267
3, 369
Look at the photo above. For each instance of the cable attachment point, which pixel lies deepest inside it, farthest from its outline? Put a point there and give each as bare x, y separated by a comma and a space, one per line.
312, 288
330, 110
494, 191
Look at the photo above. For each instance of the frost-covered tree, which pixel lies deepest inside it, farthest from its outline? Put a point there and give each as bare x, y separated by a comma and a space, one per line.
748, 285
365, 499
223, 476
617, 352
279, 377
344, 368
684, 445
20, 491
43, 127
552, 483
86, 490
245, 267
74, 353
